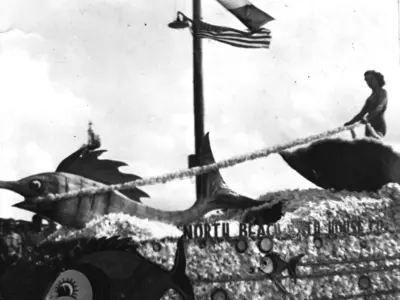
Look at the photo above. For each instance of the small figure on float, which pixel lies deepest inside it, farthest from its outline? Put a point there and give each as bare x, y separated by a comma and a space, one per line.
373, 112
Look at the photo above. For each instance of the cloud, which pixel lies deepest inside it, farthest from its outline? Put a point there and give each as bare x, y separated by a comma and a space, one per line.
37, 114
35, 160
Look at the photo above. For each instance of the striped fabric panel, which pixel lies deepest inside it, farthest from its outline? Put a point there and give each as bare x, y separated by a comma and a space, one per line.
234, 37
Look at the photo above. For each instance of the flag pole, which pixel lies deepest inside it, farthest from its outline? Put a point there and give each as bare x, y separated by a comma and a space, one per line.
198, 98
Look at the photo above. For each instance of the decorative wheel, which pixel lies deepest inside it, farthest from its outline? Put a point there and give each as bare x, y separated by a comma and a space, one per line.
265, 245
241, 245
157, 246
219, 294
364, 282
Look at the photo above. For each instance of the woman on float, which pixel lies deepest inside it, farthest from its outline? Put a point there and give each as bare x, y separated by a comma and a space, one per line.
373, 112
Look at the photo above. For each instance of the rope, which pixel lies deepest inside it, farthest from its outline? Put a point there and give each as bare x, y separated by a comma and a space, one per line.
195, 171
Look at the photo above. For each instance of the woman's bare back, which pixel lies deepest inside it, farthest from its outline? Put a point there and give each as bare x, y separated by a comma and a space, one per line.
376, 106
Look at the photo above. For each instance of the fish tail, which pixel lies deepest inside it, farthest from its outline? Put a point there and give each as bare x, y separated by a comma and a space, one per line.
292, 264
216, 194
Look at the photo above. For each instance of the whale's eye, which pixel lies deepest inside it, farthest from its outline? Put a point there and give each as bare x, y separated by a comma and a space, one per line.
67, 288
71, 285
36, 185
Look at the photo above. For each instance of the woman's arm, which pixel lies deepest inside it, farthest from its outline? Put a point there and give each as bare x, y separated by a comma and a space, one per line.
360, 115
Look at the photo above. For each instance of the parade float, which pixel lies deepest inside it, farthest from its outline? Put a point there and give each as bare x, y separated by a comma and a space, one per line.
339, 241
293, 244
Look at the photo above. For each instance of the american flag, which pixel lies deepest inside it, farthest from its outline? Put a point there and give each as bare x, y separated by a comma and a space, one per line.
258, 39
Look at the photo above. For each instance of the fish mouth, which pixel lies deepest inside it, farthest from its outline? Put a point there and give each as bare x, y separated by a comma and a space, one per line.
45, 209
26, 206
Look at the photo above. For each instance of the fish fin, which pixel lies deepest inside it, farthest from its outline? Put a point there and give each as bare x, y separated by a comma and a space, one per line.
67, 162
178, 272
214, 188
179, 267
135, 194
292, 264
84, 162
279, 285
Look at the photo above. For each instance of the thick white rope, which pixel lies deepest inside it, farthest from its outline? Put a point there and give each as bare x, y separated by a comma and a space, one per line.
195, 171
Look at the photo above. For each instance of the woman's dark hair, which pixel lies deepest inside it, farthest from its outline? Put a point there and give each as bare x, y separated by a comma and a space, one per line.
379, 77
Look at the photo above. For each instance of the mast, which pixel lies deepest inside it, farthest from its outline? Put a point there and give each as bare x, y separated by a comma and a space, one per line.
198, 98
90, 133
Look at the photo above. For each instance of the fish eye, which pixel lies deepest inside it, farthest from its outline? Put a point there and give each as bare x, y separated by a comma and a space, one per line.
267, 265
36, 185
67, 288
71, 285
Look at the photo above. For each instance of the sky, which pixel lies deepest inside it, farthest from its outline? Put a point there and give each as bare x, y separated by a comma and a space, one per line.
118, 64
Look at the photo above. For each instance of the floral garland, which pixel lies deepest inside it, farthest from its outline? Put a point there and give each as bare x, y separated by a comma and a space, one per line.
336, 265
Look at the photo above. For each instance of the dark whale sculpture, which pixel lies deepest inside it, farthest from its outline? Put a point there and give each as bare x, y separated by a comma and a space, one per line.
354, 165
94, 269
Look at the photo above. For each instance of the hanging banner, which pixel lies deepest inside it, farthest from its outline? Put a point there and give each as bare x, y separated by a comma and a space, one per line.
251, 16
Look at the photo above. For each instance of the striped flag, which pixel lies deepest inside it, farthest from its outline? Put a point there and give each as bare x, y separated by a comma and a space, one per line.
251, 16
234, 37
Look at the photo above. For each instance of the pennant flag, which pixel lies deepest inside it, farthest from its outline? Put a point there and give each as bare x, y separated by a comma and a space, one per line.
234, 37
247, 13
